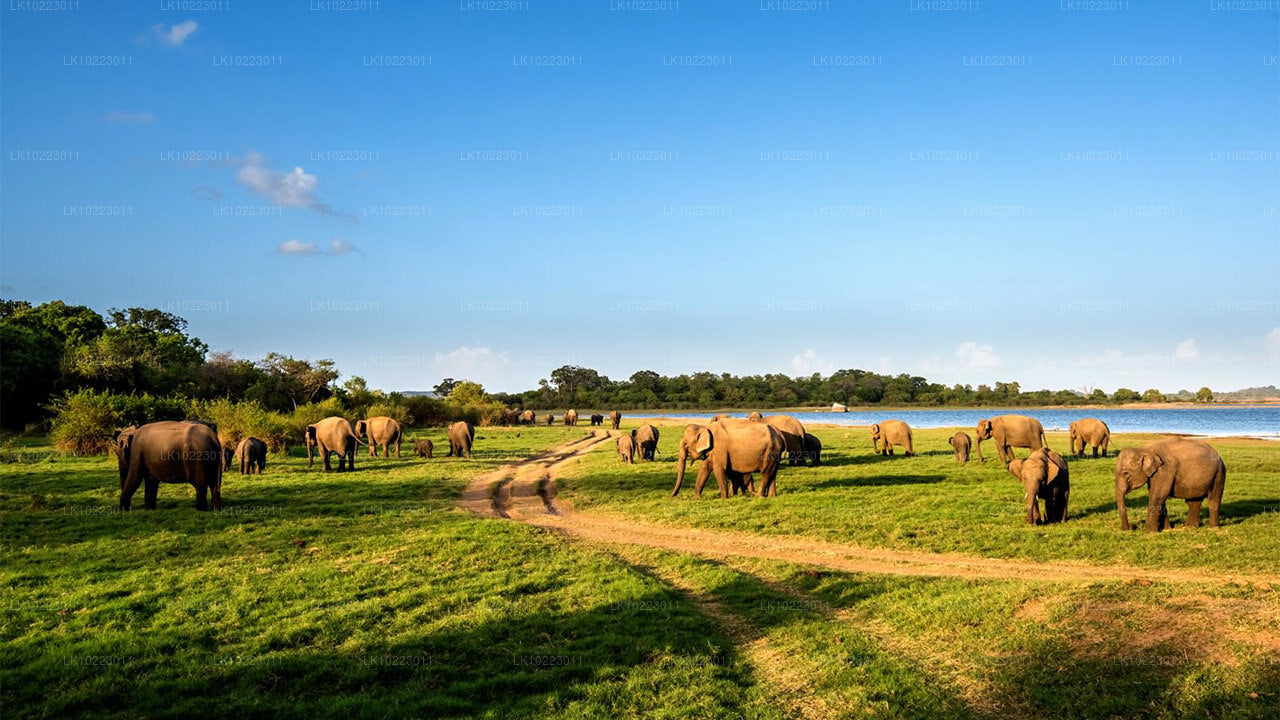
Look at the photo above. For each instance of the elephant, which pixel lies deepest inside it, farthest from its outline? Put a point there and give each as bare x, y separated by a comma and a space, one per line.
792, 431
1177, 468
626, 449
423, 447
1089, 431
887, 433
645, 438
754, 416
1044, 474
461, 435
380, 430
253, 456
528, 418
171, 451
686, 453
961, 443
734, 450
597, 420
508, 416
332, 435
812, 450
615, 418
550, 418
722, 416
1010, 431
571, 417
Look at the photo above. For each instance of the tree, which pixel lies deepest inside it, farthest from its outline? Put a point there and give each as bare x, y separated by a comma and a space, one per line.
290, 382
1097, 395
1204, 395
1152, 395
1124, 395
444, 387
466, 392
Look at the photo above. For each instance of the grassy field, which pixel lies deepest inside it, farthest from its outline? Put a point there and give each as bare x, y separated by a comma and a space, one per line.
371, 594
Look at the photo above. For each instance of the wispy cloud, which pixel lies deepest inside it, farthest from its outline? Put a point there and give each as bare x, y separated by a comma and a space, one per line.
120, 117
206, 192
174, 35
300, 248
1186, 350
1272, 341
296, 188
972, 355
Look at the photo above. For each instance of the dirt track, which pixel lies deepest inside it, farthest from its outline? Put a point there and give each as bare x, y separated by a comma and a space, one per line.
525, 491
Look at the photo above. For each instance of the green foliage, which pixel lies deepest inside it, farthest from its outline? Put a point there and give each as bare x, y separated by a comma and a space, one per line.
467, 393
304, 415
396, 411
84, 422
238, 420
1122, 395
426, 410
1204, 395
1152, 395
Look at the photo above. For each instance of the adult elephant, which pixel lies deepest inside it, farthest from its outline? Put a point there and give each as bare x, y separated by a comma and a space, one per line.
686, 453
887, 433
645, 438
461, 435
170, 452
960, 443
332, 435
734, 450
253, 456
528, 418
812, 450
1044, 476
792, 431
1089, 431
615, 418
1010, 431
380, 430
626, 449
571, 417
1176, 468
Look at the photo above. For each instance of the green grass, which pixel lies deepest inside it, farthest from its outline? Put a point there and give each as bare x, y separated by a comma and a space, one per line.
929, 502
370, 594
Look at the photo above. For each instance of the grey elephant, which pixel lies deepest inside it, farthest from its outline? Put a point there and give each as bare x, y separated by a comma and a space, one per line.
615, 418
739, 483
253, 456
887, 433
960, 443
170, 452
550, 418
423, 447
1010, 431
1044, 476
1089, 431
645, 438
1173, 468
380, 430
812, 450
571, 417
597, 419
792, 431
461, 435
527, 417
332, 435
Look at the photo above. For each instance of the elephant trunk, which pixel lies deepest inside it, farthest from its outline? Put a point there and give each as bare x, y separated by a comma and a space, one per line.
977, 443
680, 461
1122, 489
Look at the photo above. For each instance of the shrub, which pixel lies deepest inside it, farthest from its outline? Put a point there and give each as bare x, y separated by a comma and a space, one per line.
425, 410
396, 411
238, 420
296, 423
84, 422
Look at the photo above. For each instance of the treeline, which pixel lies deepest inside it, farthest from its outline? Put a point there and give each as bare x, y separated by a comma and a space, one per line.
76, 370
572, 386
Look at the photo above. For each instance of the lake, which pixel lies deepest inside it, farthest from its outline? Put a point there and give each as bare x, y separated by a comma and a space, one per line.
1262, 422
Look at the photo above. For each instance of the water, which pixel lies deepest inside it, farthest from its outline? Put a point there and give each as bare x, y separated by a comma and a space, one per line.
1262, 422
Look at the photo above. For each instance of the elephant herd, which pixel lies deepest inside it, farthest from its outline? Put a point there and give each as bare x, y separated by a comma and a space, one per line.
735, 450
190, 451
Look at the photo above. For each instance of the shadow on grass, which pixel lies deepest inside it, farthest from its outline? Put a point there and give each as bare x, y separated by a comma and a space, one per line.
1230, 513
880, 481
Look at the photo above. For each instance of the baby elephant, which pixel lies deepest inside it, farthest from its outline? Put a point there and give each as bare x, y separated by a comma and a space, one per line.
253, 456
597, 420
961, 443
626, 449
423, 448
1044, 475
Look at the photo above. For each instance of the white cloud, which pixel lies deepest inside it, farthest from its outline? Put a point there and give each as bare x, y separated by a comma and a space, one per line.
174, 35
292, 189
808, 363
1186, 350
1272, 341
120, 117
297, 247
338, 246
972, 355
473, 363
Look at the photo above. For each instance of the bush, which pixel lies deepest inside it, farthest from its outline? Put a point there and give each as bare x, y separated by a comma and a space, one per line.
84, 422
425, 410
395, 411
296, 423
238, 420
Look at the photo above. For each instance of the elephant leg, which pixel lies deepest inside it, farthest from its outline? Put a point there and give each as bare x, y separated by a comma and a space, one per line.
215, 494
704, 471
1157, 515
202, 495
150, 493
1193, 513
1033, 508
127, 490
351, 460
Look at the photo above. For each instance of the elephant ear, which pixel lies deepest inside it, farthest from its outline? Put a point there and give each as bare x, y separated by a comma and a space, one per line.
1015, 468
875, 429
703, 442
1051, 468
987, 427
1151, 463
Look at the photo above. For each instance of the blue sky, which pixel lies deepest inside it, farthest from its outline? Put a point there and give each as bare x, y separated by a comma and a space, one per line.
1012, 191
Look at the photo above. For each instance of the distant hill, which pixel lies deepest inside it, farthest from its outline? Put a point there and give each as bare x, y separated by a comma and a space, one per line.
1266, 392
